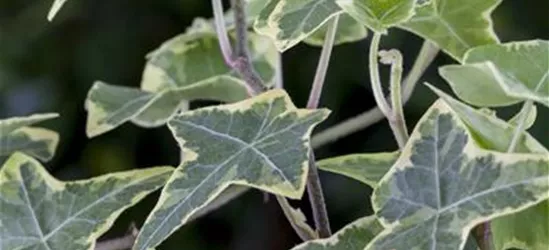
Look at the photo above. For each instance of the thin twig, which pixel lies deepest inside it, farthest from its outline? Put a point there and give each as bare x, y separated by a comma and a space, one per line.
323, 62
239, 61
426, 55
314, 187
122, 243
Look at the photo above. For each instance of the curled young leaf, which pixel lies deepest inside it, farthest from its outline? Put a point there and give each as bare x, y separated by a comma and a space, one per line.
354, 236
40, 212
16, 135
187, 67
454, 25
443, 184
262, 142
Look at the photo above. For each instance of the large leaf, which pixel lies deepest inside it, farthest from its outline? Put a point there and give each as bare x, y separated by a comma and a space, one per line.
528, 229
262, 142
443, 184
288, 22
348, 30
187, 67
379, 15
511, 73
454, 25
40, 212
354, 236
366, 168
17, 136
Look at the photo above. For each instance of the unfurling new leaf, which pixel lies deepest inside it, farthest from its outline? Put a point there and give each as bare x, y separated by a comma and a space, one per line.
262, 142
40, 212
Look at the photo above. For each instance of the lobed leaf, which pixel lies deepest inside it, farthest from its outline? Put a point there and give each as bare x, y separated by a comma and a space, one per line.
40, 212
454, 25
366, 168
16, 135
262, 142
187, 67
378, 15
443, 184
288, 22
354, 236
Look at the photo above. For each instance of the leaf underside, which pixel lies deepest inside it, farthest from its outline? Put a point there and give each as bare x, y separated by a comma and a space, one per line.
443, 184
262, 142
40, 212
17, 135
378, 15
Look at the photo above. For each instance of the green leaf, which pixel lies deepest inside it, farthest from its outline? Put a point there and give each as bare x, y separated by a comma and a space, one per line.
366, 168
40, 212
57, 4
530, 117
528, 229
348, 30
187, 67
262, 142
454, 25
17, 136
288, 22
378, 15
488, 131
443, 184
354, 236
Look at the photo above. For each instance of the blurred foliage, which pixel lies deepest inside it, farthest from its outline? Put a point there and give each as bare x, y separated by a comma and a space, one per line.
49, 67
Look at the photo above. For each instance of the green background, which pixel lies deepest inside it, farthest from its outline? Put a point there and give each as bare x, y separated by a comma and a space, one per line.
49, 67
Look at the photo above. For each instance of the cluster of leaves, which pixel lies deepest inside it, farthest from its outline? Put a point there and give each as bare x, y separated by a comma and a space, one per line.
461, 166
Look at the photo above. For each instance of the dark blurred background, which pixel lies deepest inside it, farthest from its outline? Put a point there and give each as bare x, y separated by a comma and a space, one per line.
49, 67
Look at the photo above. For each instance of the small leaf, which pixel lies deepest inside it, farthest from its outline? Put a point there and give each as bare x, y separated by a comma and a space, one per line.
443, 184
348, 31
40, 212
187, 67
57, 4
262, 142
366, 168
489, 131
530, 117
354, 236
17, 136
288, 22
454, 25
527, 229
378, 15
297, 218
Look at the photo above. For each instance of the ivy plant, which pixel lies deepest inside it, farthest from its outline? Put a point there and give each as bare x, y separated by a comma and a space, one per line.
463, 178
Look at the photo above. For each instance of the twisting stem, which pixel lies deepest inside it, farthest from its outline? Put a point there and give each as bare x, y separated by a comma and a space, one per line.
374, 77
314, 187
241, 61
396, 120
323, 62
426, 55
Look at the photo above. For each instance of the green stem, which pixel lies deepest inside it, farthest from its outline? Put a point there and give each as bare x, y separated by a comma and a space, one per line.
426, 55
527, 106
374, 77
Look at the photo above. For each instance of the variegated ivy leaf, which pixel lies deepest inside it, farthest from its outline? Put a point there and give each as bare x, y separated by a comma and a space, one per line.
488, 131
348, 30
354, 236
187, 67
530, 117
57, 4
511, 73
379, 15
262, 142
40, 212
454, 25
288, 22
366, 168
443, 184
17, 136
514, 230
